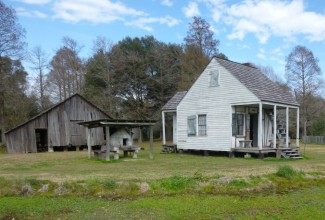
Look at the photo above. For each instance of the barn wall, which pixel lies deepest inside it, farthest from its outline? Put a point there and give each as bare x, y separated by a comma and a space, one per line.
62, 127
23, 139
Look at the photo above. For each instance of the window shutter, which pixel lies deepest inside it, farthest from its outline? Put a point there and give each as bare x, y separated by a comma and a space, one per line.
234, 124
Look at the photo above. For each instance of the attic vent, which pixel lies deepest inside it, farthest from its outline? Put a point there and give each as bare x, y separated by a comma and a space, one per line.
214, 78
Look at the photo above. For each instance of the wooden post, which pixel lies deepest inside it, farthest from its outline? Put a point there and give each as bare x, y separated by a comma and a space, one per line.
88, 133
131, 135
108, 148
163, 127
151, 143
260, 124
274, 126
287, 127
297, 129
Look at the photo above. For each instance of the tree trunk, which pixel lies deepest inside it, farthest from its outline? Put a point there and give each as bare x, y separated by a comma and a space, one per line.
2, 104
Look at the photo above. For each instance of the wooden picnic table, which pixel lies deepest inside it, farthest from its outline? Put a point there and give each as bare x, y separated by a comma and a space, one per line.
134, 150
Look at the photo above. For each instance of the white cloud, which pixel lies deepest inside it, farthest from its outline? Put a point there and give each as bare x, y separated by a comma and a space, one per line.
261, 54
191, 10
99, 11
35, 2
144, 22
268, 18
30, 13
168, 3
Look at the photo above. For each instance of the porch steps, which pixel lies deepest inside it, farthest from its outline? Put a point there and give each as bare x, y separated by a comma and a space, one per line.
291, 153
169, 148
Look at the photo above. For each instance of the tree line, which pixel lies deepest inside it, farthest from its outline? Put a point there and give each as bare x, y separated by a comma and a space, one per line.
132, 78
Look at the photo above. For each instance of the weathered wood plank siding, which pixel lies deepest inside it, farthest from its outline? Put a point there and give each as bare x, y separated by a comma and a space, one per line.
216, 103
61, 125
313, 139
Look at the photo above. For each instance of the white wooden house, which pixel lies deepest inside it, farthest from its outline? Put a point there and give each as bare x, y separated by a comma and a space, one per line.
232, 107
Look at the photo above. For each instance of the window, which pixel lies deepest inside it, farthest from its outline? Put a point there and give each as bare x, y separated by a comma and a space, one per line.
0, 136
199, 128
238, 124
214, 78
191, 125
202, 125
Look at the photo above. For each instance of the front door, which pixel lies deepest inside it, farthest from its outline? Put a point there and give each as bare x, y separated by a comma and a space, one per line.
254, 129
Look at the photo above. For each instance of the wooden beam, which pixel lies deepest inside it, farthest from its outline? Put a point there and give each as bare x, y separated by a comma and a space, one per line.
274, 126
163, 127
287, 127
260, 124
108, 148
151, 155
88, 133
297, 129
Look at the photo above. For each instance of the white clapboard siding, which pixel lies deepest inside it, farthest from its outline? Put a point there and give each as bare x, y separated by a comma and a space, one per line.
215, 102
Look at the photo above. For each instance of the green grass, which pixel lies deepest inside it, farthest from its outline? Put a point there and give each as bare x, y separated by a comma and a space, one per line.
2, 150
301, 204
171, 186
61, 166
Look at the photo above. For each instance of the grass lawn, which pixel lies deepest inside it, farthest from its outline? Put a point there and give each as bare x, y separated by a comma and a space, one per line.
62, 166
171, 186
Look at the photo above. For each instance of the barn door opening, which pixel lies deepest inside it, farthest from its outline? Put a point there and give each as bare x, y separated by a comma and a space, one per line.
41, 140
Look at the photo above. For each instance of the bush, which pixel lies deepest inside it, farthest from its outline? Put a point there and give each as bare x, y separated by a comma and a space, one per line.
175, 183
287, 172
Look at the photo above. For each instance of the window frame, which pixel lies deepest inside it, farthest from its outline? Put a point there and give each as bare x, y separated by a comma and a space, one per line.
202, 128
214, 78
191, 121
236, 126
198, 129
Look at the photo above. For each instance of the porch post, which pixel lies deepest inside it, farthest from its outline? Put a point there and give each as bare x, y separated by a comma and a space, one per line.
274, 126
88, 134
151, 143
260, 129
297, 129
287, 127
108, 148
163, 127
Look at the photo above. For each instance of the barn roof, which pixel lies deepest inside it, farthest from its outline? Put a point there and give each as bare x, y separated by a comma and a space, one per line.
56, 105
258, 83
174, 101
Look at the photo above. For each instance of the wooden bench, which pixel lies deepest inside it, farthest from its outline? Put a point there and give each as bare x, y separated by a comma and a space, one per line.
101, 154
245, 143
134, 150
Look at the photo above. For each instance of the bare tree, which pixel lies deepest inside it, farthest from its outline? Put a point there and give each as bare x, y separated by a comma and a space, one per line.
269, 72
303, 76
39, 60
11, 45
99, 81
66, 70
200, 35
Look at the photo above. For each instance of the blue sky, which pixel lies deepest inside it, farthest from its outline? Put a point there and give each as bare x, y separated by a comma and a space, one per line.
259, 31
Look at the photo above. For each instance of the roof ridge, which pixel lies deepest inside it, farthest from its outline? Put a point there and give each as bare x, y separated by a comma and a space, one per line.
54, 106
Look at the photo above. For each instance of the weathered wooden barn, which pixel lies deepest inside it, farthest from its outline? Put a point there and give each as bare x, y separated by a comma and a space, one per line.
57, 127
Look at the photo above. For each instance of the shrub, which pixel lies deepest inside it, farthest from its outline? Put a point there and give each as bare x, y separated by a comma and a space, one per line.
175, 183
287, 172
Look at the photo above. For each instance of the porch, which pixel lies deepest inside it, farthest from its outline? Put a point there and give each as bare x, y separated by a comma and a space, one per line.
264, 125
292, 152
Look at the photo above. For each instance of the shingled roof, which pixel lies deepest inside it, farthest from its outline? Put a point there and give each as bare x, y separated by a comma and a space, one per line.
258, 83
174, 101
